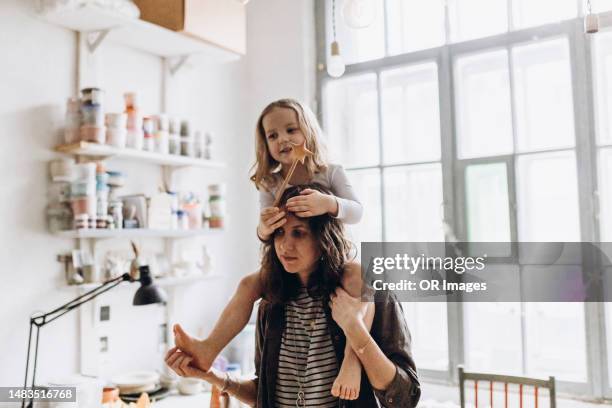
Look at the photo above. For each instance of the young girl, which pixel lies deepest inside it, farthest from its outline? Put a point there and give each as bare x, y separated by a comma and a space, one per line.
282, 125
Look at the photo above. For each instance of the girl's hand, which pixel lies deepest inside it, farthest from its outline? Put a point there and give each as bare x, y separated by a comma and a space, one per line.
311, 203
347, 311
270, 219
180, 363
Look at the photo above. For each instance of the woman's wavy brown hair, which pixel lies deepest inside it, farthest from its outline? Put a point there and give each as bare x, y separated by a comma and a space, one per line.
279, 285
264, 166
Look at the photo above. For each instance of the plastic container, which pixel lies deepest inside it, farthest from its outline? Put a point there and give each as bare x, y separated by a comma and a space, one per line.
92, 115
187, 147
62, 170
116, 120
116, 212
149, 143
162, 142
58, 193
85, 172
59, 218
93, 96
174, 144
116, 179
80, 189
96, 134
116, 137
193, 212
183, 222
135, 139
216, 203
84, 205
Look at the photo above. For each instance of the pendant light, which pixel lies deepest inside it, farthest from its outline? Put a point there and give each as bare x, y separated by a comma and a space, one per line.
335, 63
359, 13
591, 21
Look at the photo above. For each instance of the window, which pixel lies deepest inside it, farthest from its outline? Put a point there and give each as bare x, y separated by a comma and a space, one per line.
462, 126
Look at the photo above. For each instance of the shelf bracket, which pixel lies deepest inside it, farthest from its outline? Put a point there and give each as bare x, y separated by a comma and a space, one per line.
174, 68
94, 39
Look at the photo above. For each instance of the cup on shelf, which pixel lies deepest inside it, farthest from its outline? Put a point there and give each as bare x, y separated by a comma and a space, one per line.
85, 172
84, 205
116, 137
62, 170
116, 120
80, 189
96, 134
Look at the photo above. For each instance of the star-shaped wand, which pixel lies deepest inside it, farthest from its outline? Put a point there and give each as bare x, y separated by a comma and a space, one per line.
299, 155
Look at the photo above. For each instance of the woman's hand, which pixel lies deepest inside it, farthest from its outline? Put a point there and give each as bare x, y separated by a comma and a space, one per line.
180, 362
270, 219
311, 203
347, 311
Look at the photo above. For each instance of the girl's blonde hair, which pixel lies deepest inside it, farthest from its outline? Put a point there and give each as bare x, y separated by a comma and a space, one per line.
265, 165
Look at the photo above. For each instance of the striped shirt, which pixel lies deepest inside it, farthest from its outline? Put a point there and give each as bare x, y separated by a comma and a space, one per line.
307, 353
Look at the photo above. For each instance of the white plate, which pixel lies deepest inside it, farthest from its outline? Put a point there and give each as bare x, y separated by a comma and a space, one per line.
136, 379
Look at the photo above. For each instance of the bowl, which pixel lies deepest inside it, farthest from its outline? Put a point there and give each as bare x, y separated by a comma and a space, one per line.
190, 386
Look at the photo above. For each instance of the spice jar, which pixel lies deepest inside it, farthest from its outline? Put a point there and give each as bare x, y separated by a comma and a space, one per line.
216, 204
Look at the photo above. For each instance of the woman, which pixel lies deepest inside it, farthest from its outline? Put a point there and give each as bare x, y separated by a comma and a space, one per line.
303, 325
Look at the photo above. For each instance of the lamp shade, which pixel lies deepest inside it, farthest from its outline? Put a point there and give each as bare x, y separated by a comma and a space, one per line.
148, 293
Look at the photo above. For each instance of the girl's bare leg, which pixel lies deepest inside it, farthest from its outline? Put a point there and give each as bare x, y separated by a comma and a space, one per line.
348, 383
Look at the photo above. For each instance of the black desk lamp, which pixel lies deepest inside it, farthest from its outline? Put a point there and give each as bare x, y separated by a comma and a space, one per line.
147, 294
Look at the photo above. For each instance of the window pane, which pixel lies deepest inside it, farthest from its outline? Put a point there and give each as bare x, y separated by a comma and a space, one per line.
411, 115
603, 86
605, 194
601, 5
428, 325
548, 198
543, 92
484, 116
477, 18
414, 25
367, 187
357, 45
488, 209
547, 350
493, 337
351, 120
413, 203
528, 13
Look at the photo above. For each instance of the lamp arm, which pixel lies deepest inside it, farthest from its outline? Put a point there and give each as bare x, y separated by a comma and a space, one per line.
78, 300
44, 319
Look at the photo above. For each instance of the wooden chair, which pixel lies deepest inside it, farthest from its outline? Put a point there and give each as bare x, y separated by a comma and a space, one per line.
489, 379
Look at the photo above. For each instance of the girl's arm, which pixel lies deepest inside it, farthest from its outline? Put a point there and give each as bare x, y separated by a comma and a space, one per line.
350, 209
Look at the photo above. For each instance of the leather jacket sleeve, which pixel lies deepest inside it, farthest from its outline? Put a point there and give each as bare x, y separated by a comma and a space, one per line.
391, 333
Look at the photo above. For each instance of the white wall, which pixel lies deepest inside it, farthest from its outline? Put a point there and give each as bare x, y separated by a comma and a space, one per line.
38, 73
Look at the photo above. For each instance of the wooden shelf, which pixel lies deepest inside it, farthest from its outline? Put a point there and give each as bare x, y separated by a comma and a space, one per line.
135, 33
105, 152
134, 233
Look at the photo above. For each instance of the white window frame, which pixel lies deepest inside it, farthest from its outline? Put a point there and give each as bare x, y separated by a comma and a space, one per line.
597, 385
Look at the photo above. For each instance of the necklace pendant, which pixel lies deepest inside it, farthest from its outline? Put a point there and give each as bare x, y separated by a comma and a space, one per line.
300, 402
